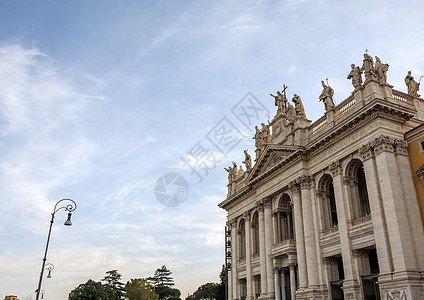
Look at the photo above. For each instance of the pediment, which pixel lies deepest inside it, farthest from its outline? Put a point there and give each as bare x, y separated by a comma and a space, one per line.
271, 156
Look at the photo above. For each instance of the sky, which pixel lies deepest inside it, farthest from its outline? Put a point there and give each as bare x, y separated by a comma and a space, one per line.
100, 99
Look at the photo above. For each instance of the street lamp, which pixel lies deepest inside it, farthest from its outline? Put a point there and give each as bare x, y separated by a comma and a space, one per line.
70, 207
227, 258
49, 267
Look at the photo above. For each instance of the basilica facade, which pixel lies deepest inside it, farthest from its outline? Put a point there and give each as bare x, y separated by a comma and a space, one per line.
329, 209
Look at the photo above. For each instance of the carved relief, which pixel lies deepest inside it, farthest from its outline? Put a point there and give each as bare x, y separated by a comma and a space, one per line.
396, 294
417, 292
304, 181
267, 203
360, 253
329, 261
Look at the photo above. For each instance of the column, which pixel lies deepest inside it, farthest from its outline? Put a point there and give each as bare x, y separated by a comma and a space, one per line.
234, 258
283, 284
308, 225
394, 205
411, 201
268, 245
250, 294
343, 218
377, 214
274, 227
293, 280
300, 243
262, 251
277, 284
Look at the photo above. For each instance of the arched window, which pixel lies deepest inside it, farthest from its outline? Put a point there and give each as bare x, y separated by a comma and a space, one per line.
255, 234
358, 193
328, 202
284, 220
242, 240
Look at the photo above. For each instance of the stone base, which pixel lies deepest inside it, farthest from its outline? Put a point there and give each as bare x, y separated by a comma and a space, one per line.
402, 286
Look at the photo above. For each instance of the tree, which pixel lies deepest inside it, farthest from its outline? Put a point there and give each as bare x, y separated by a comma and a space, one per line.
91, 290
220, 288
206, 291
113, 285
162, 282
140, 289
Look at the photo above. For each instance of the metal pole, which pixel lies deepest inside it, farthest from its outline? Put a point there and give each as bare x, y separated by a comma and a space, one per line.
44, 258
226, 269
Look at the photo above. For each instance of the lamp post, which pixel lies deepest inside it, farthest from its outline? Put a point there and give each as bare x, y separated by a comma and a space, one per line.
227, 258
49, 267
70, 207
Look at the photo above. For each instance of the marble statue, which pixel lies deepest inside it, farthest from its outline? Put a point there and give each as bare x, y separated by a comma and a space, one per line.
280, 102
247, 160
258, 138
327, 97
300, 110
381, 70
240, 171
368, 67
232, 172
291, 112
356, 76
266, 133
412, 85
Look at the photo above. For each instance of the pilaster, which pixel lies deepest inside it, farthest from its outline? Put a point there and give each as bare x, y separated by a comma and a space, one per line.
262, 248
300, 242
249, 279
311, 257
268, 245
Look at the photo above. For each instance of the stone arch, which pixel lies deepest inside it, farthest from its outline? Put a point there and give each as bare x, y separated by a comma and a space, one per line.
241, 239
283, 219
255, 233
357, 189
325, 193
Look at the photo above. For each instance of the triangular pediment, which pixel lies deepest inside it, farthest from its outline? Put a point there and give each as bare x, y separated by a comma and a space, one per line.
271, 156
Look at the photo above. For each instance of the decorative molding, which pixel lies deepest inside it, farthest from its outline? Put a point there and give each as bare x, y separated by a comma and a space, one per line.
359, 253
246, 216
267, 202
329, 261
397, 294
336, 168
292, 266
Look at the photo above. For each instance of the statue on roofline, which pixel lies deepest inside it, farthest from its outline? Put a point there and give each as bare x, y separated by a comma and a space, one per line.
258, 138
368, 67
232, 172
280, 102
298, 105
327, 97
356, 76
247, 160
381, 70
412, 85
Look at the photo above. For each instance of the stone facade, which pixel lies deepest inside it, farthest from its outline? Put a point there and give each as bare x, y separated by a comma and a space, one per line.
329, 210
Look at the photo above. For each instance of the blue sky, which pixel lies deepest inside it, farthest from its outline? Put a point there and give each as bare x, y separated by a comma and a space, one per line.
98, 99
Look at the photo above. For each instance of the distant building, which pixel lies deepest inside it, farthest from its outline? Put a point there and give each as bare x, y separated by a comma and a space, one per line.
11, 298
331, 209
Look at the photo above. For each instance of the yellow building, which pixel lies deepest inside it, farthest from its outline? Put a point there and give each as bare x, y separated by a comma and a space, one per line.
415, 139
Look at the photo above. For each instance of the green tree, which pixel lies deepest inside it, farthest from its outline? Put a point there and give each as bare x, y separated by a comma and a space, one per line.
91, 290
220, 288
140, 289
206, 291
113, 285
163, 282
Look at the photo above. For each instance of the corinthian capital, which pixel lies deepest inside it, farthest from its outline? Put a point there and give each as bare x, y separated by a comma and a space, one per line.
336, 168
365, 151
294, 186
383, 143
401, 147
304, 181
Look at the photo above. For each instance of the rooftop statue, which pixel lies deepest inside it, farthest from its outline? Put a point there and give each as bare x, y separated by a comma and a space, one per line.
327, 96
412, 85
247, 160
299, 109
232, 172
381, 70
266, 133
280, 102
368, 67
291, 112
258, 138
356, 76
